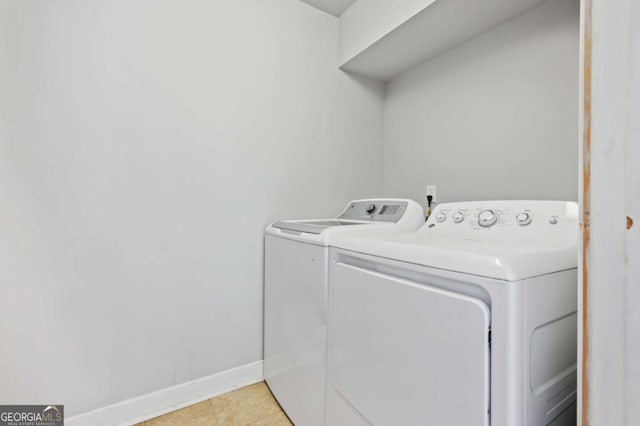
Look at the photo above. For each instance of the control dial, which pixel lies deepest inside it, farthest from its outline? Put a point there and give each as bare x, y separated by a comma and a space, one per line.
370, 208
441, 217
487, 218
458, 217
523, 219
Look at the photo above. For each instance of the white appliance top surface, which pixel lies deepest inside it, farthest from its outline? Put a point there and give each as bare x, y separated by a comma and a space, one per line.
313, 226
399, 214
506, 240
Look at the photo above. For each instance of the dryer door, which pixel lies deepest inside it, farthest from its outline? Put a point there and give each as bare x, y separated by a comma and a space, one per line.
404, 353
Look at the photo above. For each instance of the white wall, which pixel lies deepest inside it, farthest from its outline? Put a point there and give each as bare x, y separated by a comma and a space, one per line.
144, 145
495, 118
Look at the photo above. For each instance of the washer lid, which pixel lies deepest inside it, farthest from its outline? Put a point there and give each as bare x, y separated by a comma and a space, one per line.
388, 212
313, 226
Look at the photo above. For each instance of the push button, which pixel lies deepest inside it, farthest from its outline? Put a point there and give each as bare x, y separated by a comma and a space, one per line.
523, 219
458, 217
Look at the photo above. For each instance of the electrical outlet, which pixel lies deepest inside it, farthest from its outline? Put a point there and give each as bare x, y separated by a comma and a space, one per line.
431, 190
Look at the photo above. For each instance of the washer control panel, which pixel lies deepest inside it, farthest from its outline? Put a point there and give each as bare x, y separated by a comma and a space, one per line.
375, 210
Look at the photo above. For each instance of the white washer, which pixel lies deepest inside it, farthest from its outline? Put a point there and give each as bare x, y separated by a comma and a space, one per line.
296, 293
470, 321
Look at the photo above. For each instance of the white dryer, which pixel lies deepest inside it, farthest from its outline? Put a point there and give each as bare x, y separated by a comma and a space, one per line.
470, 321
296, 294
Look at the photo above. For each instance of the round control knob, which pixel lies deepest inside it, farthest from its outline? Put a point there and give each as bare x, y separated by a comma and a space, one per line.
486, 218
441, 217
370, 208
553, 220
523, 219
458, 217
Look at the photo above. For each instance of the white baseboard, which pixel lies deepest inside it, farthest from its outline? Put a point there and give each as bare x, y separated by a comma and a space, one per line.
160, 402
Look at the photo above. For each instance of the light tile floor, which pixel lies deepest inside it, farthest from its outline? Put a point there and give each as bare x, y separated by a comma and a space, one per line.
250, 406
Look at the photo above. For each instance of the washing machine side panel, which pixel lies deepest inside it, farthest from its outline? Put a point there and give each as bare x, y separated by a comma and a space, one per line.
405, 353
295, 327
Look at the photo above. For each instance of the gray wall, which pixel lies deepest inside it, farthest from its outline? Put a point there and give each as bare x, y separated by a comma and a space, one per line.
496, 118
144, 145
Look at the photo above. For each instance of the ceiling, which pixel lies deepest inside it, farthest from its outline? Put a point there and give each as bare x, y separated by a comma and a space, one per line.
333, 7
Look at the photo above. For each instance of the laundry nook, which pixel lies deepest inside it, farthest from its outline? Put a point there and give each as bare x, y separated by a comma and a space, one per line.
319, 213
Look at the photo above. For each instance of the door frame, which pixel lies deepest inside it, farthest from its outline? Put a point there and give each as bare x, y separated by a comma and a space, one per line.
609, 99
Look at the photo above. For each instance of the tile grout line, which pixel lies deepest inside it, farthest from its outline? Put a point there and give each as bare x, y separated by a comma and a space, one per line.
213, 408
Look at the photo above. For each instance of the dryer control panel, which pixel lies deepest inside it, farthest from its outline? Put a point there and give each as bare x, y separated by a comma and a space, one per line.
504, 220
375, 210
